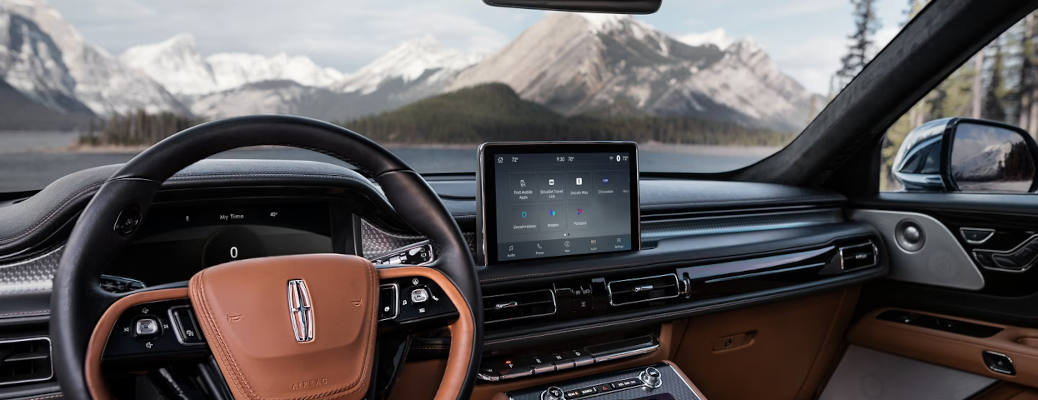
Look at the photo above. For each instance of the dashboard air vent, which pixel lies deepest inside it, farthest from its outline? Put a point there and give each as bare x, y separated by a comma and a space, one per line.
25, 360
640, 290
857, 256
516, 306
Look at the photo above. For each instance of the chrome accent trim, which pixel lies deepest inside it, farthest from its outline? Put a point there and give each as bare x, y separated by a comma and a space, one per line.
1000, 252
50, 360
554, 305
396, 300
609, 289
1003, 355
626, 354
875, 256
488, 378
176, 325
645, 381
301, 311
991, 232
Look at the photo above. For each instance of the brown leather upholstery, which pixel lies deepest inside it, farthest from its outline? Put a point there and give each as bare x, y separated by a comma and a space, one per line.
95, 348
243, 309
794, 347
1006, 391
950, 349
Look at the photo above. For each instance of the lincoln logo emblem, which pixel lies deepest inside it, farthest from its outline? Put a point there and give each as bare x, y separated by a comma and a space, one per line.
301, 311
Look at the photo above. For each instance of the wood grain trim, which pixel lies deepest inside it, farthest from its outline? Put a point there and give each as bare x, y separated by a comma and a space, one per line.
99, 338
950, 349
462, 330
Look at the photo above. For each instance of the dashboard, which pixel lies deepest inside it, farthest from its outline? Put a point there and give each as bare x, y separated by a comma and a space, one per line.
705, 246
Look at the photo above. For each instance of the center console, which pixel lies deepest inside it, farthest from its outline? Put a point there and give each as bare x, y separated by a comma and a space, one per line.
661, 381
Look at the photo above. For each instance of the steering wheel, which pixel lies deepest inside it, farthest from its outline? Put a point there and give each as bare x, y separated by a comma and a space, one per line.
287, 327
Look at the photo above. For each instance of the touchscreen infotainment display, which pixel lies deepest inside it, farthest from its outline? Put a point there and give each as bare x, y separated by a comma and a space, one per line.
558, 199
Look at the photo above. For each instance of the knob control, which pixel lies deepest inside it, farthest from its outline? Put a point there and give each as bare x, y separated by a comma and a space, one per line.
651, 377
553, 393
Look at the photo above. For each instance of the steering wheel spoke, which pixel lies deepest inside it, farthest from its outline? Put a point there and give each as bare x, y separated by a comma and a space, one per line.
155, 331
414, 302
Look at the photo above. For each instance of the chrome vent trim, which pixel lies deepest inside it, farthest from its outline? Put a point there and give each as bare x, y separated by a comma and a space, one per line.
645, 284
509, 301
33, 359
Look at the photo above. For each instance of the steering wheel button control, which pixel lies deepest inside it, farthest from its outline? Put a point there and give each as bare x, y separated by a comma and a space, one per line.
146, 327
143, 332
419, 295
388, 301
414, 300
185, 325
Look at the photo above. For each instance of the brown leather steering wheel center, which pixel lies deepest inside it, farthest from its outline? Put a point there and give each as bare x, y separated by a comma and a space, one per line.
291, 327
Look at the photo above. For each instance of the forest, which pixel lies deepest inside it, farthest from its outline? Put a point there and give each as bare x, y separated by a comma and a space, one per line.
998, 83
489, 112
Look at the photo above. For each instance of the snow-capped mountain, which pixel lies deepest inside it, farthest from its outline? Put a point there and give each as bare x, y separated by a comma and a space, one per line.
411, 71
177, 64
423, 59
572, 63
45, 58
577, 63
290, 97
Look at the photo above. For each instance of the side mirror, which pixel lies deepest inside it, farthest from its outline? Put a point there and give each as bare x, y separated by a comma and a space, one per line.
969, 155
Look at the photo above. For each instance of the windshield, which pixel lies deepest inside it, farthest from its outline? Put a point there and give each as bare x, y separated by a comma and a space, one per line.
702, 86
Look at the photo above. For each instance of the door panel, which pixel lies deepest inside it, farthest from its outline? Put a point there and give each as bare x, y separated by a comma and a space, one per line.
1007, 297
955, 350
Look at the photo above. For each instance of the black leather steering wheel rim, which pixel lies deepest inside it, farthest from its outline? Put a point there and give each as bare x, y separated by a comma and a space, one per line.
77, 300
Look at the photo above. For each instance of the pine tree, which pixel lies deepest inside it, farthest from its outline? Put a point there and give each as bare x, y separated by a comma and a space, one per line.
860, 47
1027, 85
992, 102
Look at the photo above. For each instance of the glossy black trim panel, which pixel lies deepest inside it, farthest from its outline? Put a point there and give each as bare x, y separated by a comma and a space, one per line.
678, 252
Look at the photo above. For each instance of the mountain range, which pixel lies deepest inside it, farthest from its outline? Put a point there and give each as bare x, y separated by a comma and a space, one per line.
573, 64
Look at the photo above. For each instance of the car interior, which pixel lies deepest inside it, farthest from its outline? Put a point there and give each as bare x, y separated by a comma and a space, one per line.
557, 270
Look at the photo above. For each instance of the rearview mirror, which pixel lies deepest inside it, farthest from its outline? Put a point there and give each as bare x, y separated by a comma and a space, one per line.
602, 6
969, 155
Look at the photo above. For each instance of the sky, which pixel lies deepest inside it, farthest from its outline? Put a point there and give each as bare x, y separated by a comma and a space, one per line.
805, 37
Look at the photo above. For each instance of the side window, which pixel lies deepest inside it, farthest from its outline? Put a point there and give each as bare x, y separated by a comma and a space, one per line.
973, 132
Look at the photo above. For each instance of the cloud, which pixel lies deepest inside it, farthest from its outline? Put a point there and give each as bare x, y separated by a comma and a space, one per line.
716, 36
813, 61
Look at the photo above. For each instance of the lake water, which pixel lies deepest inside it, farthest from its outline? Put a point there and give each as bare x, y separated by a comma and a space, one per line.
31, 160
